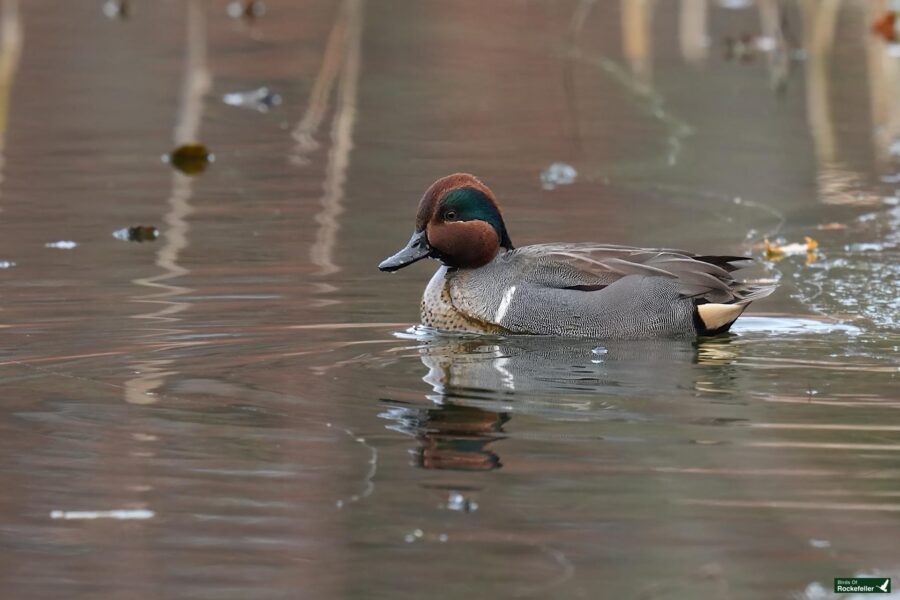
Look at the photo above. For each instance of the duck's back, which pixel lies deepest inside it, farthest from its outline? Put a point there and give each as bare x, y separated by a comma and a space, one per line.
592, 290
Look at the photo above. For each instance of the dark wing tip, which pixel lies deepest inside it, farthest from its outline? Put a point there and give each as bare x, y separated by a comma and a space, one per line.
725, 262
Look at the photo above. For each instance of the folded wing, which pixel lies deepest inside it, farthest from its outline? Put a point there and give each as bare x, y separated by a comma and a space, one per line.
615, 291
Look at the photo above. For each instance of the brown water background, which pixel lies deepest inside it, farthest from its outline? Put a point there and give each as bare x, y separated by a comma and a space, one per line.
247, 391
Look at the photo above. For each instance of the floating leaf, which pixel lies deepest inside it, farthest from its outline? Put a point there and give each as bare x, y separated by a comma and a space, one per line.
138, 233
190, 159
776, 252
885, 26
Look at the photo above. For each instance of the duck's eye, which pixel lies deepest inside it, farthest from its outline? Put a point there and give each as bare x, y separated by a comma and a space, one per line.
450, 215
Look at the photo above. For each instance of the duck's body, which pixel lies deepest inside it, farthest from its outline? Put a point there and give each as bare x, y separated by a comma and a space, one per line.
615, 292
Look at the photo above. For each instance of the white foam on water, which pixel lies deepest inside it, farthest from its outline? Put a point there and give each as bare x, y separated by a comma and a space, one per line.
61, 245
752, 324
119, 515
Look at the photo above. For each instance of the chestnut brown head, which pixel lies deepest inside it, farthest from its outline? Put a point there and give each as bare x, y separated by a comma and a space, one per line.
458, 223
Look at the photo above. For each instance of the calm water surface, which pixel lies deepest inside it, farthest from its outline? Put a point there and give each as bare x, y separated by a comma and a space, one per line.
241, 408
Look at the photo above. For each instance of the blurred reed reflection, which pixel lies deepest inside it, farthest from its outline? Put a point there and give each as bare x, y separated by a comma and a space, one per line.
637, 37
164, 296
11, 39
692, 35
341, 67
883, 70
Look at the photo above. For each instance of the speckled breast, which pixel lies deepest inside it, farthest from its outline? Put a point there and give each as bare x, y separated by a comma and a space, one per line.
439, 312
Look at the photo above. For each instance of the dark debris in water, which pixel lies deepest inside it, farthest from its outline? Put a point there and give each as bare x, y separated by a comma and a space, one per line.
246, 9
559, 173
747, 47
190, 159
261, 99
458, 502
741, 48
117, 9
138, 233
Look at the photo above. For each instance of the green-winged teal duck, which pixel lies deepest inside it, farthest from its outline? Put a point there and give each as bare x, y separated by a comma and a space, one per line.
485, 285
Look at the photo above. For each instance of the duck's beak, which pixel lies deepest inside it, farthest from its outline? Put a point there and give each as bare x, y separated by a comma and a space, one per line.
416, 249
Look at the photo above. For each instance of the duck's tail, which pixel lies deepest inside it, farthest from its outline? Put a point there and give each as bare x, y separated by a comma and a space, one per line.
712, 319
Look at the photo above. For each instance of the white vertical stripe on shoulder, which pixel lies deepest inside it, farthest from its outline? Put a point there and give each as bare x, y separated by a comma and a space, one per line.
504, 304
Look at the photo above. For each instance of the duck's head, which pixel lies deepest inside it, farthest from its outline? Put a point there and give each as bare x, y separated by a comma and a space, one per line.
458, 223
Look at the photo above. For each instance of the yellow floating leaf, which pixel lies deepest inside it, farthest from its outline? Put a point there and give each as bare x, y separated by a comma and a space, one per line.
773, 251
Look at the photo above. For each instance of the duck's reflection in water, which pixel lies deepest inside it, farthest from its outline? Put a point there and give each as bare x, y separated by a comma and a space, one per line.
479, 383
451, 436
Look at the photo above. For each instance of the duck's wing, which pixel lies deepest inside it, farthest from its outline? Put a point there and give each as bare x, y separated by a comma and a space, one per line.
591, 267
611, 286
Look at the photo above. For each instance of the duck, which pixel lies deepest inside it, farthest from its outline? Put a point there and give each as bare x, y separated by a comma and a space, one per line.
485, 285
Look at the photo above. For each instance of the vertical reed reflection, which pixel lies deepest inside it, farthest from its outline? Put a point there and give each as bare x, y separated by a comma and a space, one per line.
692, 34
838, 184
196, 84
819, 17
637, 37
774, 26
635, 79
11, 38
569, 84
304, 133
340, 66
884, 86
